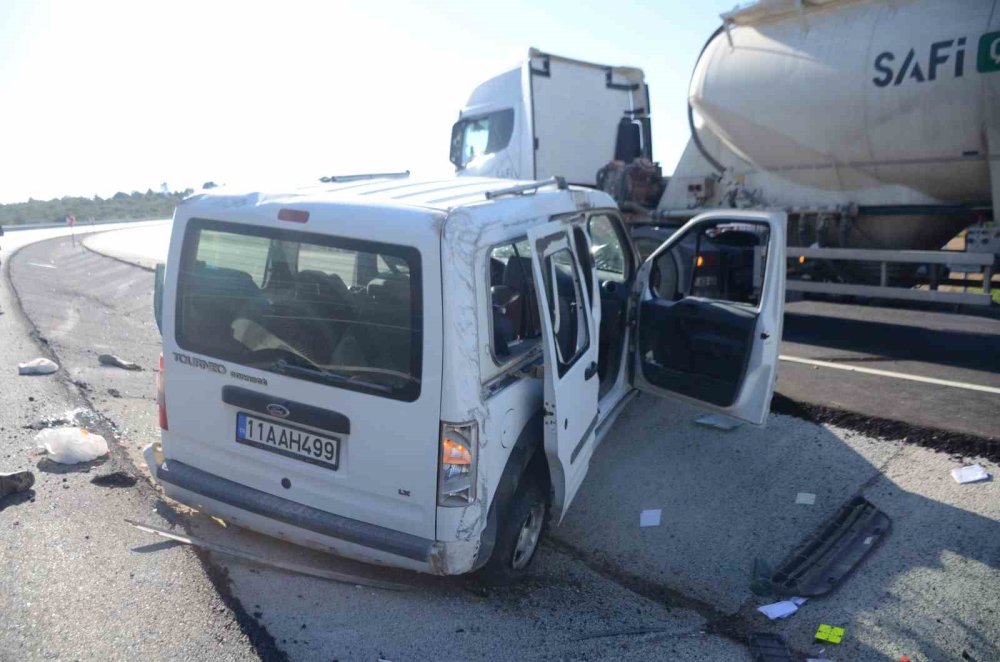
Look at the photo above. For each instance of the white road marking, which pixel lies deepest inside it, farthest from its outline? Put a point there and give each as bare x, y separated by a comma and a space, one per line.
39, 264
895, 375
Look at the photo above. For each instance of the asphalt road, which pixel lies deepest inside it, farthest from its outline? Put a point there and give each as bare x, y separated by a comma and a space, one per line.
75, 581
960, 348
88, 305
601, 588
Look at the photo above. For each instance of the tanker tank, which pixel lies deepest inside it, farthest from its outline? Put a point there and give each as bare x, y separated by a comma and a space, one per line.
885, 114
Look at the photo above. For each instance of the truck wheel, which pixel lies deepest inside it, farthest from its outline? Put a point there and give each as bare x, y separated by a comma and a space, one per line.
518, 533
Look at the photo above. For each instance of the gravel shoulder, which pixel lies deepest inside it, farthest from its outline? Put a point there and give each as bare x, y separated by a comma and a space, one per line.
76, 581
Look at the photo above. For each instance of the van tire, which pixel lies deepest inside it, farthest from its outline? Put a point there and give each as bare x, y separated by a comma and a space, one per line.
524, 521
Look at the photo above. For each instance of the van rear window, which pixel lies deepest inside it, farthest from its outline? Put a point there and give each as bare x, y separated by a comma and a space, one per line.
326, 309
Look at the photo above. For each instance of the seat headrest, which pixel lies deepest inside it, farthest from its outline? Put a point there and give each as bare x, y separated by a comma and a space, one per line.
517, 273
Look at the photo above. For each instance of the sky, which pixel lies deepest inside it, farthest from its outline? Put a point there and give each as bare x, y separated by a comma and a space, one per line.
104, 96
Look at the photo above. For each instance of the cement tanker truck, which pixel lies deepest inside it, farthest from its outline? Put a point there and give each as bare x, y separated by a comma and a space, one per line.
874, 123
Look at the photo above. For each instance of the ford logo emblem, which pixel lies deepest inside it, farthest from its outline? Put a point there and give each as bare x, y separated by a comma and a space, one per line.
281, 411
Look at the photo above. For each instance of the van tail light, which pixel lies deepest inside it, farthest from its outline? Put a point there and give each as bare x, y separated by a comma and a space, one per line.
457, 470
161, 398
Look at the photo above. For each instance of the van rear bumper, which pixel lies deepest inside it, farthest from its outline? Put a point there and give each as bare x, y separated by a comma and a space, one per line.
305, 525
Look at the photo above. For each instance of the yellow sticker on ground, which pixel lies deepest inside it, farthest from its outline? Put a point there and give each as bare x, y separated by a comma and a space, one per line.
830, 634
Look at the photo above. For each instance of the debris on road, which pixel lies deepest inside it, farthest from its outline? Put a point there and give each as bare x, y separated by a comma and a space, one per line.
829, 634
718, 422
15, 481
117, 362
827, 555
650, 518
40, 366
805, 499
68, 445
289, 566
970, 474
71, 417
114, 479
782, 609
768, 647
114, 393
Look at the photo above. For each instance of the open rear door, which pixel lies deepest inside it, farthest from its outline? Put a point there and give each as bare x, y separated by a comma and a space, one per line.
569, 341
709, 305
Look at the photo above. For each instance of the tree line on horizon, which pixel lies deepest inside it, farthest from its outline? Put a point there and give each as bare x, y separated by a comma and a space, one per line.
121, 206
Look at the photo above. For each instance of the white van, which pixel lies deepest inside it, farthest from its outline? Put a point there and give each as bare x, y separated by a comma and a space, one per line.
417, 373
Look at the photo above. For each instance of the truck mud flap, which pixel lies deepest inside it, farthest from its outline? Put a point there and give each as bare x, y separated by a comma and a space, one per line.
828, 555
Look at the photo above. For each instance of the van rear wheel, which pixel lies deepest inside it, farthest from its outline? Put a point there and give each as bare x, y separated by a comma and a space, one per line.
519, 533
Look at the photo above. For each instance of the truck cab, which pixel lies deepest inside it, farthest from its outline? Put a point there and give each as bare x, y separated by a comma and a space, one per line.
514, 125
417, 373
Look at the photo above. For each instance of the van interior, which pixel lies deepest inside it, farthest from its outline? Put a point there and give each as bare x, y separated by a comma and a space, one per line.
516, 327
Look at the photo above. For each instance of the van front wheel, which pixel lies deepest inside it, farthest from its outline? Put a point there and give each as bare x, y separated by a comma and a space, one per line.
519, 533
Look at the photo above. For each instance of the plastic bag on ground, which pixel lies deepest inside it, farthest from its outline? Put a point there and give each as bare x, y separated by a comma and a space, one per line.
71, 445
37, 367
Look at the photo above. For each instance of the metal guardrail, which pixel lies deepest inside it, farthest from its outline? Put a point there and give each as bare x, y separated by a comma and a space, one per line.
983, 262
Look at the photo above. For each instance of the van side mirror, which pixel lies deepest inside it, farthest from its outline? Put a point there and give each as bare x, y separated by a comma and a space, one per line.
158, 279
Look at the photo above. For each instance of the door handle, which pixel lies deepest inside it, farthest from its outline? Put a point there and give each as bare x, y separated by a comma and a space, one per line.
591, 370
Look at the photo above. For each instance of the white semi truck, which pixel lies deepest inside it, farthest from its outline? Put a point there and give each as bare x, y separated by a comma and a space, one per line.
552, 116
874, 124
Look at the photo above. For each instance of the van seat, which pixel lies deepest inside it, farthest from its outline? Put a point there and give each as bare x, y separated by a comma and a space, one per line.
386, 321
523, 312
214, 297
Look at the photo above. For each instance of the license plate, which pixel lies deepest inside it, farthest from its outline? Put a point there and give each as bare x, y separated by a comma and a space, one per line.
288, 440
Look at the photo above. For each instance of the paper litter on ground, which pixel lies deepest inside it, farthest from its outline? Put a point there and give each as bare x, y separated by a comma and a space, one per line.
970, 474
650, 517
718, 422
39, 366
782, 609
805, 498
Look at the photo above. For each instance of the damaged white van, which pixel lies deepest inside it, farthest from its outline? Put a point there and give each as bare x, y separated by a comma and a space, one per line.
417, 373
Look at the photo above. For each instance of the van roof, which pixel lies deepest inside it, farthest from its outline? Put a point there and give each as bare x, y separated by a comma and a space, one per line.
442, 195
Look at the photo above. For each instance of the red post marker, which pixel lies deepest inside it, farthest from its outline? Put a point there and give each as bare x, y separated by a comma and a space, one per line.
904, 658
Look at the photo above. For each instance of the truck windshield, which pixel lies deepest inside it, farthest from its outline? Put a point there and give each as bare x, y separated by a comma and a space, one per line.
472, 137
332, 310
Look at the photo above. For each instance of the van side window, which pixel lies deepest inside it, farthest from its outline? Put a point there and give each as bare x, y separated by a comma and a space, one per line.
514, 308
222, 250
723, 262
567, 310
608, 252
